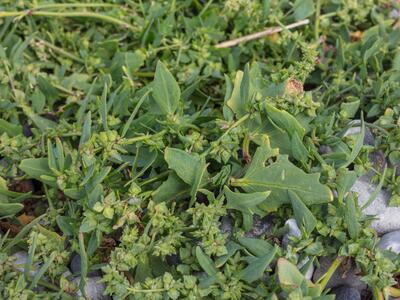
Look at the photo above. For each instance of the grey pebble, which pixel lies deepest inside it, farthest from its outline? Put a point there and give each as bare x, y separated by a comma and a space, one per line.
390, 241
94, 289
226, 225
346, 293
293, 231
387, 217
19, 264
75, 266
344, 275
260, 226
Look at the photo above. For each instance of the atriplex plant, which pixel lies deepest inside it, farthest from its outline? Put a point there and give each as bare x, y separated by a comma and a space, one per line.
128, 138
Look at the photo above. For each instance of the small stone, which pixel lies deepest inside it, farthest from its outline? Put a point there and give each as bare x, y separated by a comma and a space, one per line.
346, 293
19, 264
94, 289
390, 241
345, 275
226, 225
173, 260
387, 217
260, 226
369, 138
310, 271
75, 266
324, 149
293, 231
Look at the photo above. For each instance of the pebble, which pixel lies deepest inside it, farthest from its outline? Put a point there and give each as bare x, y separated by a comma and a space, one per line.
226, 225
369, 138
387, 217
173, 260
390, 241
260, 226
21, 258
94, 289
343, 276
75, 266
346, 293
293, 231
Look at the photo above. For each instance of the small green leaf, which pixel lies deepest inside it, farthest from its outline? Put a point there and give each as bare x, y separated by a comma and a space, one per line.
303, 9
10, 209
186, 165
258, 247
285, 121
166, 90
35, 167
245, 202
345, 180
302, 214
205, 262
290, 278
9, 128
256, 268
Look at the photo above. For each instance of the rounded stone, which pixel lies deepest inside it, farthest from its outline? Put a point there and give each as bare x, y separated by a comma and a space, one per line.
390, 241
346, 293
94, 288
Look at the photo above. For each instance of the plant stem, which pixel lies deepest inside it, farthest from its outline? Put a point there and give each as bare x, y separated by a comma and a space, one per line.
75, 14
60, 51
377, 294
71, 5
327, 276
260, 34
394, 292
317, 20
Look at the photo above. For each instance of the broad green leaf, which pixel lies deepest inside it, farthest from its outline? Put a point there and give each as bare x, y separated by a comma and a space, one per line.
42, 123
9, 128
186, 165
345, 180
35, 167
289, 276
285, 121
281, 177
245, 202
64, 223
299, 151
170, 189
302, 214
258, 247
166, 91
303, 9
10, 209
205, 262
256, 269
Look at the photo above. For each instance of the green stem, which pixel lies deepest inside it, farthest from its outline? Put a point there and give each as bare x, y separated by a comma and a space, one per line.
327, 276
394, 292
155, 178
60, 51
77, 14
73, 5
317, 19
144, 74
145, 291
377, 294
